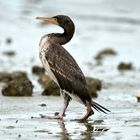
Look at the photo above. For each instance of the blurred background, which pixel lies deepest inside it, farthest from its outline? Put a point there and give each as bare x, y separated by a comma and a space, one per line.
99, 24
106, 45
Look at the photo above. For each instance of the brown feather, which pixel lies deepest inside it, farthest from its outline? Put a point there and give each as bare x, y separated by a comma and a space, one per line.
67, 71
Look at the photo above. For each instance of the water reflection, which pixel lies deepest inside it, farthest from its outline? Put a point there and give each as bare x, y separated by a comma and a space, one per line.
89, 131
64, 132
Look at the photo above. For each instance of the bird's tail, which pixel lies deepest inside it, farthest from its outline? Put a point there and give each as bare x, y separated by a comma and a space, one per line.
100, 108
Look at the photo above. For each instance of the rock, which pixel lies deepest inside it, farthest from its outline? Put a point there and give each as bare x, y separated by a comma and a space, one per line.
125, 66
19, 135
10, 127
51, 88
8, 40
138, 97
19, 75
16, 84
105, 52
42, 105
5, 77
18, 87
94, 85
43, 80
9, 53
38, 70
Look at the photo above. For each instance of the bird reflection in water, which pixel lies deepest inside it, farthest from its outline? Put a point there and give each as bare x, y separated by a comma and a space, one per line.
88, 133
64, 133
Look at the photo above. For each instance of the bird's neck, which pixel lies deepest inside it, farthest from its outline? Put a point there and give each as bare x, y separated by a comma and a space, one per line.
62, 38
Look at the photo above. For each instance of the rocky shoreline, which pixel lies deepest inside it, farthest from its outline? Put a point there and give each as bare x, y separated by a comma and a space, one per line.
18, 84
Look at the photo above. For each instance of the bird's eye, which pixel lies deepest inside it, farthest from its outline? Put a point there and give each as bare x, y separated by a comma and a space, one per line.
55, 19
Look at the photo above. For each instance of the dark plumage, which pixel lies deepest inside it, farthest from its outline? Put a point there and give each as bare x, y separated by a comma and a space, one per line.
62, 67
67, 72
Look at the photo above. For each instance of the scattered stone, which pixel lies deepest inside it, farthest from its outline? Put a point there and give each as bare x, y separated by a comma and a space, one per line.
5, 77
94, 85
138, 97
98, 121
51, 88
17, 88
19, 75
43, 80
19, 135
9, 53
50, 133
10, 127
16, 84
125, 66
8, 40
105, 52
43, 105
41, 131
38, 70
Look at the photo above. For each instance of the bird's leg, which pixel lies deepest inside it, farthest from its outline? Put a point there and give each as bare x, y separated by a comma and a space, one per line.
63, 109
66, 100
88, 113
59, 115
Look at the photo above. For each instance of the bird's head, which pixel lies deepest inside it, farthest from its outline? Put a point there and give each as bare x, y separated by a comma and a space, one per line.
60, 20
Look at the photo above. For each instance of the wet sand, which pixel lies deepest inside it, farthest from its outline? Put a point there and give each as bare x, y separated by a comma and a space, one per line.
16, 120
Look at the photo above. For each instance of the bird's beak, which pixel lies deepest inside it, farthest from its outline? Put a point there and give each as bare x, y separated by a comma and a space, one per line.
49, 20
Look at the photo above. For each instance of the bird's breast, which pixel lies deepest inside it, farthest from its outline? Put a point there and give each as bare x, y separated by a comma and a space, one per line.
43, 50
47, 66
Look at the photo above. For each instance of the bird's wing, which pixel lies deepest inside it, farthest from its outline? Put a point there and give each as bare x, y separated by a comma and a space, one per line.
67, 71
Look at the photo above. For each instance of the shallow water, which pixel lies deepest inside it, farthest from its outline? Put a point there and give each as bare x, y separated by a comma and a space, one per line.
122, 123
99, 24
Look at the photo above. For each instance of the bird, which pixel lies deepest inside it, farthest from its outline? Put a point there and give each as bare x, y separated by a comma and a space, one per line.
63, 68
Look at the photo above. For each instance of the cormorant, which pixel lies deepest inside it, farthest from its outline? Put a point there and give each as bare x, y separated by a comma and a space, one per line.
63, 69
